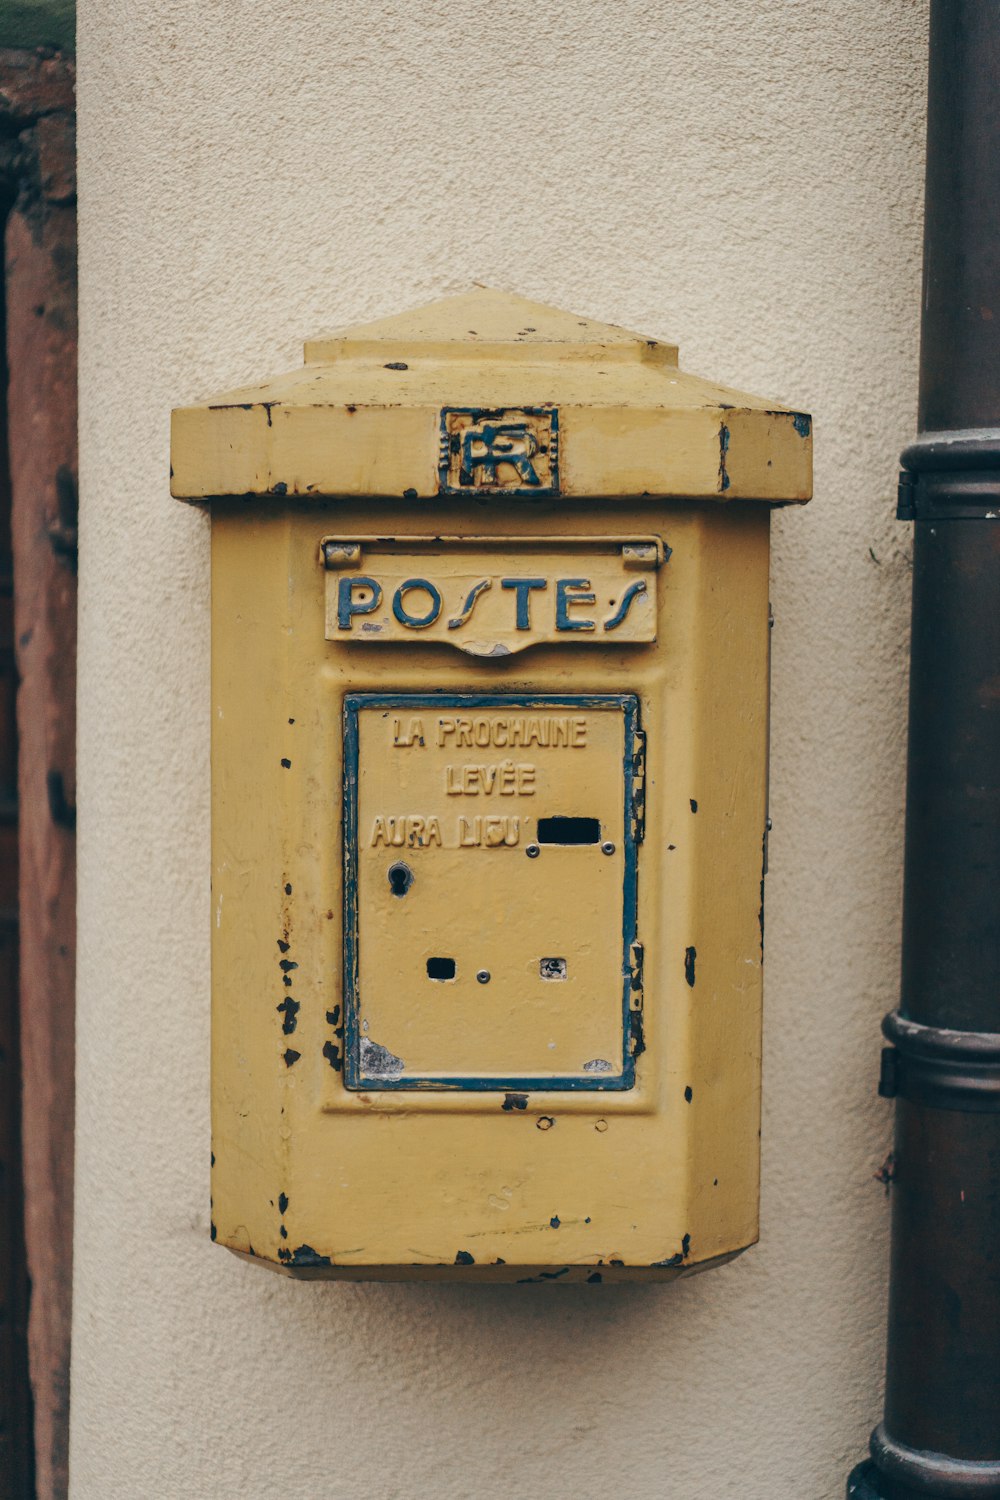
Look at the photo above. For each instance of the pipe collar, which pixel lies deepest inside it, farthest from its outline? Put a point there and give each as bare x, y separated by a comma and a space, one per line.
943, 1069
933, 1474
951, 476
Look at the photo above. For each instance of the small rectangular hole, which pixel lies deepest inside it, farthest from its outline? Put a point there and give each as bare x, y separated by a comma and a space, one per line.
552, 968
440, 968
569, 830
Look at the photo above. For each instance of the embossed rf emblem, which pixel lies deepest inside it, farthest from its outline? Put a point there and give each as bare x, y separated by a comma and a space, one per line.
511, 451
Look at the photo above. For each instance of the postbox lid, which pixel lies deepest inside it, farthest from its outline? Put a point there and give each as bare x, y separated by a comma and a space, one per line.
490, 393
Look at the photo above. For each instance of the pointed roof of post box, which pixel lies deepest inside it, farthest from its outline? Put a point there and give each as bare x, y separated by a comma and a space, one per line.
485, 324
490, 393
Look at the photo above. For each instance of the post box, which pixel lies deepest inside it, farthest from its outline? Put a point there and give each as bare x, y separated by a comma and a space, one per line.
489, 798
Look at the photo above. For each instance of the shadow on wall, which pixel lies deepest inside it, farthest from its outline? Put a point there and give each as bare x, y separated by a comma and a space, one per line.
465, 1382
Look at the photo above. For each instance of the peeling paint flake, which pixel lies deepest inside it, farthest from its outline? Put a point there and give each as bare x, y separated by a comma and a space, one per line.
379, 1062
723, 458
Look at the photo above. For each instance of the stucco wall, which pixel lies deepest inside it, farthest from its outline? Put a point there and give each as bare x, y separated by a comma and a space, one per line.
742, 177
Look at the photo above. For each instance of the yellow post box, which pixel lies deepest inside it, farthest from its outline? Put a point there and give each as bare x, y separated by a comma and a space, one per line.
489, 795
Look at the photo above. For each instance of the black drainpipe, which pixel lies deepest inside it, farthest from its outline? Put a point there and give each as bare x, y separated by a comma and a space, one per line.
940, 1436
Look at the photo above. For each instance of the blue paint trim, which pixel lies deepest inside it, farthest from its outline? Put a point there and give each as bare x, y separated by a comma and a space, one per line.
350, 835
354, 705
723, 457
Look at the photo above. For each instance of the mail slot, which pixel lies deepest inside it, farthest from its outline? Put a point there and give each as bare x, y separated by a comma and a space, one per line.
490, 636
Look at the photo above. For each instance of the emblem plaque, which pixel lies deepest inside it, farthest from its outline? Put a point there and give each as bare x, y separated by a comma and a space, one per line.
510, 451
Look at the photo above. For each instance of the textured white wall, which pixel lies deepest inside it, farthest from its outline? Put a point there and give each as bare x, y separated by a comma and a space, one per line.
743, 176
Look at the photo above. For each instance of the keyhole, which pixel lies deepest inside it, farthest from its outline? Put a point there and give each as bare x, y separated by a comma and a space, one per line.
400, 879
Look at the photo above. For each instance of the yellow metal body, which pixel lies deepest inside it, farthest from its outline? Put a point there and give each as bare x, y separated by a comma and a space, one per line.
490, 676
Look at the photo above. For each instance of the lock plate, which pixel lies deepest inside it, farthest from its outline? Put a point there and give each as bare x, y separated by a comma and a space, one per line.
490, 878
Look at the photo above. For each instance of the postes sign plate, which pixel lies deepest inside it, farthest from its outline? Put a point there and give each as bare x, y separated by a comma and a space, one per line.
467, 594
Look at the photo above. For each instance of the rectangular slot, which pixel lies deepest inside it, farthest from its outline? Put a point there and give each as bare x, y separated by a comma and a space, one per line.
569, 831
440, 968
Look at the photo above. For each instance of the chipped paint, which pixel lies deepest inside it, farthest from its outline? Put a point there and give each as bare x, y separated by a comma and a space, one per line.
723, 458
304, 1255
378, 1062
289, 1008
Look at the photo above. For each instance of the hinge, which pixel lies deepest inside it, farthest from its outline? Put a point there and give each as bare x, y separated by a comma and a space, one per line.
906, 498
643, 554
888, 1083
639, 785
334, 553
